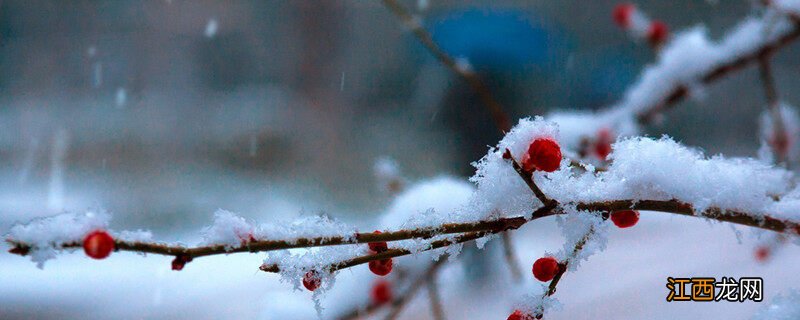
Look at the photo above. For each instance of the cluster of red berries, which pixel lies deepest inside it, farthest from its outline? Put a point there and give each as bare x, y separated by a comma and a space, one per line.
629, 18
380, 267
98, 244
543, 154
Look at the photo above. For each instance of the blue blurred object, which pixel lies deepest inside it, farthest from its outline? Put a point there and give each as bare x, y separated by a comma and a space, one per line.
499, 40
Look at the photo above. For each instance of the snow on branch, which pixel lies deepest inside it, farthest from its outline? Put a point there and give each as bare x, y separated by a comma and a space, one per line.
685, 64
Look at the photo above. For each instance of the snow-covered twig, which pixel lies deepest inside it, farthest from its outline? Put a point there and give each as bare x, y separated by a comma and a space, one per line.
681, 91
390, 253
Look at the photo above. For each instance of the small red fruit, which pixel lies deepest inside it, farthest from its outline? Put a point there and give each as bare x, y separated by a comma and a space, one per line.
519, 315
602, 146
311, 281
381, 267
378, 247
622, 14
98, 244
381, 292
180, 261
657, 33
543, 154
762, 254
625, 218
545, 269
780, 143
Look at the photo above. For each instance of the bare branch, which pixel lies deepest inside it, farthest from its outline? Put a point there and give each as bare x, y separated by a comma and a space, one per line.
499, 116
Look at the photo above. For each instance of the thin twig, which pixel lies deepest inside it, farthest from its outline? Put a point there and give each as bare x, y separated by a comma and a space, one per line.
672, 206
528, 178
511, 258
399, 304
433, 296
551, 289
496, 225
270, 245
499, 116
780, 136
391, 253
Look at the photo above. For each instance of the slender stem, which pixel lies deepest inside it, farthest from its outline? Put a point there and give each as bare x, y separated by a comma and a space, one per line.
671, 206
402, 301
528, 178
399, 301
488, 227
779, 134
270, 245
391, 253
551, 289
499, 116
511, 258
433, 295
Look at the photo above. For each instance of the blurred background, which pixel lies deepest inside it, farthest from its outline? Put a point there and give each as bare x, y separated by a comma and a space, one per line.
161, 112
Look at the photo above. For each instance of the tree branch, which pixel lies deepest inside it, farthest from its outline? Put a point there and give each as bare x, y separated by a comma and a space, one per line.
680, 92
499, 116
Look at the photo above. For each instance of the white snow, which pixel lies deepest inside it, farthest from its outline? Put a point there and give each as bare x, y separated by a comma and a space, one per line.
47, 235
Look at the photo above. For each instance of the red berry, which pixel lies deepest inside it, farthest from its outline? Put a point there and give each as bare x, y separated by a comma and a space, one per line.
381, 267
625, 218
544, 269
657, 33
98, 244
762, 253
519, 315
622, 14
381, 292
311, 281
780, 143
543, 154
602, 146
180, 261
378, 247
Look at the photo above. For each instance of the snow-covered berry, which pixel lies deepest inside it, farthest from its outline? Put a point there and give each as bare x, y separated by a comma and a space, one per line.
602, 146
657, 32
543, 154
519, 315
311, 281
381, 267
544, 269
180, 261
98, 244
625, 218
622, 14
378, 247
381, 292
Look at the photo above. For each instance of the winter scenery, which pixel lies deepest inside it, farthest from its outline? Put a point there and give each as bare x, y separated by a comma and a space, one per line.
400, 159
